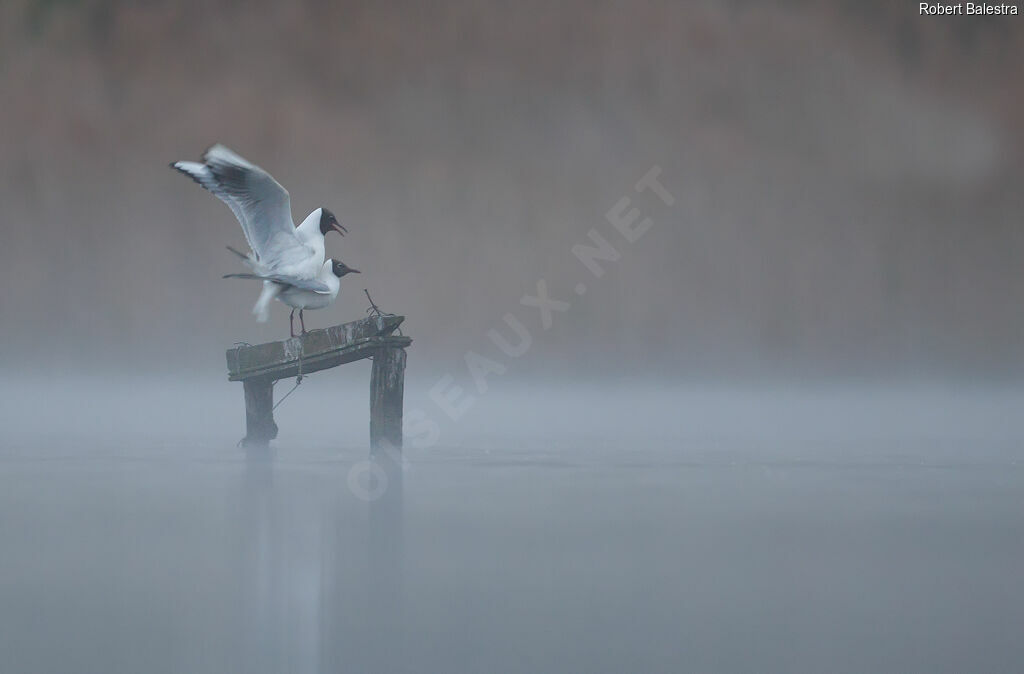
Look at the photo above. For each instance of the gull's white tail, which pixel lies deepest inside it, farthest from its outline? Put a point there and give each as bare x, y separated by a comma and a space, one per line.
262, 306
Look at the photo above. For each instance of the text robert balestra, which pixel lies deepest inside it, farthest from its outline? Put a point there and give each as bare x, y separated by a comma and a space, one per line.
965, 9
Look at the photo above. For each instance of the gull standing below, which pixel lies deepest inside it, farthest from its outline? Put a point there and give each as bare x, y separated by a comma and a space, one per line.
302, 296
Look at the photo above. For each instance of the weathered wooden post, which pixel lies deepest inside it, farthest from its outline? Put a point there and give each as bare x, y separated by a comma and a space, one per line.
387, 387
259, 366
260, 428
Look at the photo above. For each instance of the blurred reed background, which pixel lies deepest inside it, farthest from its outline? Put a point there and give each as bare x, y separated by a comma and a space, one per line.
847, 178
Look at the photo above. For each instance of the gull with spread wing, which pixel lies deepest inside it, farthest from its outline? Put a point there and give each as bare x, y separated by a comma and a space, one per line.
283, 255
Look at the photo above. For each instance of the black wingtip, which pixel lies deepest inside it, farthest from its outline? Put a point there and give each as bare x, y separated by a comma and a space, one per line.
174, 165
193, 177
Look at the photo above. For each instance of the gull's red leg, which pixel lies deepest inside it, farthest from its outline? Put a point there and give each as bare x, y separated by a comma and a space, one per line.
291, 323
302, 321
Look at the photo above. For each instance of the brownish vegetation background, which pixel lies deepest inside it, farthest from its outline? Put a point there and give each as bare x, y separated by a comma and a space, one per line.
848, 177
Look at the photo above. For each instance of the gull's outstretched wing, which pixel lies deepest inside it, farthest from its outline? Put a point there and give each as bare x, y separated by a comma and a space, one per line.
260, 203
287, 280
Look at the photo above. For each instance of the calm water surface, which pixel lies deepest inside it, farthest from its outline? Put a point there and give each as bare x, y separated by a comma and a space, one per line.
720, 529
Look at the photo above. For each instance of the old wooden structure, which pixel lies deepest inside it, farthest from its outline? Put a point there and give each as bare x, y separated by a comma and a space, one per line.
259, 366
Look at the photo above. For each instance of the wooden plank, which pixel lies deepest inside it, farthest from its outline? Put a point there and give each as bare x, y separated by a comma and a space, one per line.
387, 386
317, 349
283, 369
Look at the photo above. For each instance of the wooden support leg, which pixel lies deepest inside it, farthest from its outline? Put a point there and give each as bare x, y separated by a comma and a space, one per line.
260, 428
387, 386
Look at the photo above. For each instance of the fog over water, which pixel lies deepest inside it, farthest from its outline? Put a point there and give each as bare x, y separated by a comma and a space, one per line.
768, 421
591, 528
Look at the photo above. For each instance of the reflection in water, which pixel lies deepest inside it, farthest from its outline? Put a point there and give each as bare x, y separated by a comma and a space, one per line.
315, 597
261, 558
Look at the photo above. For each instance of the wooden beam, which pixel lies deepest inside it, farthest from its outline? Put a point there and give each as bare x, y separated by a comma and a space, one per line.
317, 349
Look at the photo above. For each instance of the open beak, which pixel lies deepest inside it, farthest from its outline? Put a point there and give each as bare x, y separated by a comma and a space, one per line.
340, 229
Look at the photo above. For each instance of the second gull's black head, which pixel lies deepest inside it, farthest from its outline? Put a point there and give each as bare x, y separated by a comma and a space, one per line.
340, 269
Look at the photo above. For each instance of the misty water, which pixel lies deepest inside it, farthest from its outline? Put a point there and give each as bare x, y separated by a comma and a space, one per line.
608, 527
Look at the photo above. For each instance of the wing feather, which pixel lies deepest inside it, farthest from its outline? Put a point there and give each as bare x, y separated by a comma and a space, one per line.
287, 280
261, 205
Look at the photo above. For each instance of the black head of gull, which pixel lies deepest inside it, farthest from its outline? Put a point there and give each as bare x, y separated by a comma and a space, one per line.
340, 269
328, 222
